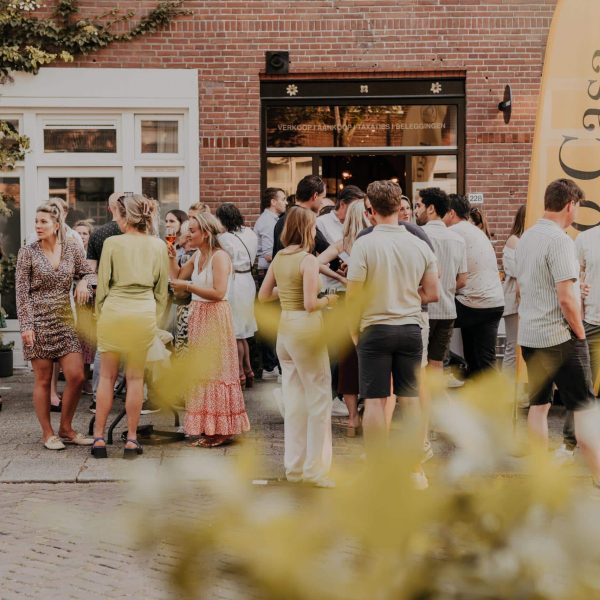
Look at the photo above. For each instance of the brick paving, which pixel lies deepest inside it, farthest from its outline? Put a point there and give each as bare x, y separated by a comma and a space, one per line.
56, 508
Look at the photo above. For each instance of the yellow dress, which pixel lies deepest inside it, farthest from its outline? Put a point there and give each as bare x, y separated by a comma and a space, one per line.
133, 280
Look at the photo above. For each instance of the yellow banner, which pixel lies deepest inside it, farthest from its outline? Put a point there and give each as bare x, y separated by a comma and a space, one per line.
567, 133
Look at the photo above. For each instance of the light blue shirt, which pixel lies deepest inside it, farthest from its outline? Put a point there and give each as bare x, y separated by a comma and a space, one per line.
264, 227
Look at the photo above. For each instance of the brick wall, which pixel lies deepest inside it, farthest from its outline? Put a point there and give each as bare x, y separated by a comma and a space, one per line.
494, 42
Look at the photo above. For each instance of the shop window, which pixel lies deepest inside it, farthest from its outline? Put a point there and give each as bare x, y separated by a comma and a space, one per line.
381, 126
286, 171
434, 171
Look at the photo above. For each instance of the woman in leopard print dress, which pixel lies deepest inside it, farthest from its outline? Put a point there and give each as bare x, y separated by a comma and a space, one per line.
44, 276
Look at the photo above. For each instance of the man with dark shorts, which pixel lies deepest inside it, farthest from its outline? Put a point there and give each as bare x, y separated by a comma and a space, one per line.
551, 332
588, 253
450, 251
390, 274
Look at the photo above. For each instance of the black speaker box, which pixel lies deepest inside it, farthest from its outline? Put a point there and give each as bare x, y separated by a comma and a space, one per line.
277, 63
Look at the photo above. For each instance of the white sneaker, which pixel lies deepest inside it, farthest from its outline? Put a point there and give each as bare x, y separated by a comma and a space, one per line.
419, 481
564, 455
338, 408
270, 374
453, 382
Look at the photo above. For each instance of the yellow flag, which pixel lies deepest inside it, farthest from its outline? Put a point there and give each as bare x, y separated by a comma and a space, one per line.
567, 132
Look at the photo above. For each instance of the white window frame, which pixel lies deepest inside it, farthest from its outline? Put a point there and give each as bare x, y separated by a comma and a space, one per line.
91, 121
146, 171
145, 157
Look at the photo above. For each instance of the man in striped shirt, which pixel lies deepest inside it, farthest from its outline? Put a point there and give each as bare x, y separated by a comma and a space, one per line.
451, 253
551, 331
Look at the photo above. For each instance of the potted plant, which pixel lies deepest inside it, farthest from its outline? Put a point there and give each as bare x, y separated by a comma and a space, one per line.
6, 350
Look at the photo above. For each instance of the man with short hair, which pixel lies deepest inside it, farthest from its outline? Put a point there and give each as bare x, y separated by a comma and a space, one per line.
480, 303
450, 251
272, 206
102, 233
331, 225
551, 331
398, 272
309, 193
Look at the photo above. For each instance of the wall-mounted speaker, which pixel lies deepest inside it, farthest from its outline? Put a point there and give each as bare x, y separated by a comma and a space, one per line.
277, 63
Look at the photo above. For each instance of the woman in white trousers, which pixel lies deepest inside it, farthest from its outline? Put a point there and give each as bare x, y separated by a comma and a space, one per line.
293, 278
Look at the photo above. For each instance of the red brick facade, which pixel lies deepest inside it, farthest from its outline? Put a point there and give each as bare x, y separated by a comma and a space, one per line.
490, 42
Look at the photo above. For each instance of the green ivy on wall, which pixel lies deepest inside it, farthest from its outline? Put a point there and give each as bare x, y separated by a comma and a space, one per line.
29, 42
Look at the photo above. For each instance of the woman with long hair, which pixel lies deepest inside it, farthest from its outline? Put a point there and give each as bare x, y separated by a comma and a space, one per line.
478, 218
131, 297
511, 300
45, 273
215, 408
87, 333
241, 243
174, 220
293, 278
354, 223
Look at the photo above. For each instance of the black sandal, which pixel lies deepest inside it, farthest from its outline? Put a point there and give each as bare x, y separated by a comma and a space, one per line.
131, 453
99, 451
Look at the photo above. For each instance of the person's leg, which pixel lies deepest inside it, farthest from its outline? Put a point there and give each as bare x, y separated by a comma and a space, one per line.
134, 399
54, 397
72, 366
240, 352
109, 369
42, 370
246, 359
542, 366
375, 348
295, 414
569, 437
484, 337
96, 373
511, 325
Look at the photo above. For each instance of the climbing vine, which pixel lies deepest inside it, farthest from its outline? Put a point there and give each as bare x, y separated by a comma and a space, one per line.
29, 41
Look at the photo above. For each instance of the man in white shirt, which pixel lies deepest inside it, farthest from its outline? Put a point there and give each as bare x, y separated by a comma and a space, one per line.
551, 331
480, 303
272, 205
450, 250
587, 244
401, 271
331, 225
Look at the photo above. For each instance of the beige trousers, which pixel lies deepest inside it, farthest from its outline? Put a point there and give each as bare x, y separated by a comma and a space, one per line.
306, 390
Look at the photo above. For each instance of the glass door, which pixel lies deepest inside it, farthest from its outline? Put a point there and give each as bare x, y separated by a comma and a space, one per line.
86, 191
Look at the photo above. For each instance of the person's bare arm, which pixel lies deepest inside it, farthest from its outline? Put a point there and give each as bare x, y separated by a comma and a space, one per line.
268, 290
309, 267
221, 269
570, 307
354, 293
429, 287
461, 280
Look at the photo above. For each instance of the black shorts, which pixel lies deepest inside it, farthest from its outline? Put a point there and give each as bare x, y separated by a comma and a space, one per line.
389, 352
568, 366
440, 332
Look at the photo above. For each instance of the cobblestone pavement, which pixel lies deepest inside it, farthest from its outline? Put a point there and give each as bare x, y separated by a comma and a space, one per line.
43, 555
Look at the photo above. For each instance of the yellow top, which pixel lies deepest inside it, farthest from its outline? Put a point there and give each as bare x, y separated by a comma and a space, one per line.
133, 266
286, 268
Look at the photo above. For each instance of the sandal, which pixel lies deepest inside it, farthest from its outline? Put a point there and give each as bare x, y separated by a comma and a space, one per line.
213, 441
243, 382
249, 379
99, 451
54, 443
131, 453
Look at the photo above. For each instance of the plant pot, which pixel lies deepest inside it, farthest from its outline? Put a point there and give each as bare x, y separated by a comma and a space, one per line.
6, 362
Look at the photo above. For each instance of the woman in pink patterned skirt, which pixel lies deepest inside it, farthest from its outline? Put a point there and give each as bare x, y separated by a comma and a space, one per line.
215, 408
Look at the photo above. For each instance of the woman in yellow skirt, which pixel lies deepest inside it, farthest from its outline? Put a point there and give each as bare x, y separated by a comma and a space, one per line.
133, 279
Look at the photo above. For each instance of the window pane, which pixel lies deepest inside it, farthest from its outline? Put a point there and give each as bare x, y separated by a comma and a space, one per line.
286, 171
159, 137
361, 126
165, 190
10, 241
12, 123
80, 140
87, 197
434, 171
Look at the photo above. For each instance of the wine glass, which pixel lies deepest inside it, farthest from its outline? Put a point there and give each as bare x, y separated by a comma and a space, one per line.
170, 236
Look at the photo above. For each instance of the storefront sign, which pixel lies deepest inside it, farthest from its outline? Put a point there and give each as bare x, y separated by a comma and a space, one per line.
567, 135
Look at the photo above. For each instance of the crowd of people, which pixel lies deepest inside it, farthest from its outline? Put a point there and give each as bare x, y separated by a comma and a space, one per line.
409, 278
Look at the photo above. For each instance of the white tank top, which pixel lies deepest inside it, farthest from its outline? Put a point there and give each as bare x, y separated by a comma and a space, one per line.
204, 278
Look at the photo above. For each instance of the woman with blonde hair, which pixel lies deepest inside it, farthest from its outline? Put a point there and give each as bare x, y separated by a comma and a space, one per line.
215, 408
293, 278
130, 301
45, 273
354, 223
